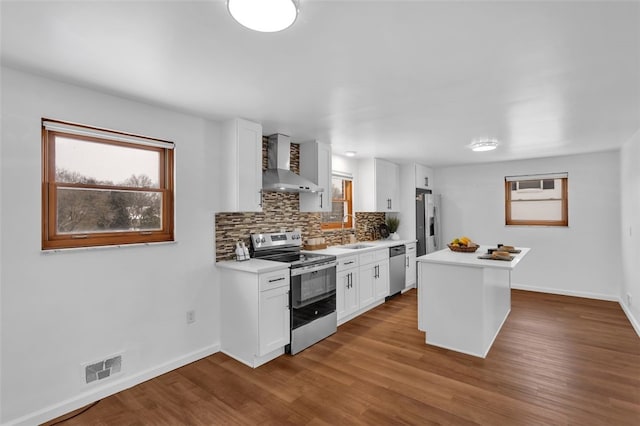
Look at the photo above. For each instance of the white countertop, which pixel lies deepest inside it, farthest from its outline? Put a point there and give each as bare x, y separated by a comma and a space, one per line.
449, 257
256, 266
375, 245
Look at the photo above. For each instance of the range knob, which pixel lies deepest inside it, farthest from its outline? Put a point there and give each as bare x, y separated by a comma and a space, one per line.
263, 240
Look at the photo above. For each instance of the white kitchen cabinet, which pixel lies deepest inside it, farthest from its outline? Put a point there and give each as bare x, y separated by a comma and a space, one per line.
374, 274
256, 315
378, 186
315, 165
242, 166
362, 283
368, 274
347, 286
411, 271
275, 319
424, 177
381, 282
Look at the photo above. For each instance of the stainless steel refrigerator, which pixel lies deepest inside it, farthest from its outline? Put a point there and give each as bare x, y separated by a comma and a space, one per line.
427, 221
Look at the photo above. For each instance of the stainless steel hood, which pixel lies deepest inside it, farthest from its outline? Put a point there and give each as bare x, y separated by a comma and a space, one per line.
278, 176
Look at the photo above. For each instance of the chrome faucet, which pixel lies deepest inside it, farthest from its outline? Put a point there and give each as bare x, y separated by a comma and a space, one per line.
342, 226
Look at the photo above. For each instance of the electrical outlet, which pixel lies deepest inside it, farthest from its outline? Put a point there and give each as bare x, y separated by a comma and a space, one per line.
191, 316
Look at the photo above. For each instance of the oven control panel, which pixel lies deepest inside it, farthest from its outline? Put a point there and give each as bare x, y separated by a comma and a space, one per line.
278, 239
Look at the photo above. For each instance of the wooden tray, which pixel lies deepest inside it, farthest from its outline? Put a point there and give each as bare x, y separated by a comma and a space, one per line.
463, 249
489, 257
315, 246
511, 250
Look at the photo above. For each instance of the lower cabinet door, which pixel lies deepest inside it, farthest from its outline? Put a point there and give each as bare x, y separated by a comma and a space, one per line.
382, 280
347, 283
275, 319
368, 277
411, 272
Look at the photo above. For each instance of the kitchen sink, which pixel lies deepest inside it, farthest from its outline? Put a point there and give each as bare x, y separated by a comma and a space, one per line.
357, 246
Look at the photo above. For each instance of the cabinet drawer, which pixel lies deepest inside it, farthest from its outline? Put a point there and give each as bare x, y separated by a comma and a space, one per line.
411, 247
274, 279
347, 262
374, 256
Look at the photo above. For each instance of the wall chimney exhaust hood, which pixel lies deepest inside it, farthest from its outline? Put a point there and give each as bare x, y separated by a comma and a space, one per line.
278, 177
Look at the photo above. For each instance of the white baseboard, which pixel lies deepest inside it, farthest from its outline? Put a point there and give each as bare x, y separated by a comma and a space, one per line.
588, 295
83, 399
632, 319
634, 323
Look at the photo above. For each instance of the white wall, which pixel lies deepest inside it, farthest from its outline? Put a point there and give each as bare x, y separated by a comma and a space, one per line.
60, 310
344, 164
630, 228
583, 259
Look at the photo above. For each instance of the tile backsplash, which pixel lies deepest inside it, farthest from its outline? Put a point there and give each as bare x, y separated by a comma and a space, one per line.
281, 210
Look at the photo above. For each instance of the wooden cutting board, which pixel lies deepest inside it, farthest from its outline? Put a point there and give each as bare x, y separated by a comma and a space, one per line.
489, 257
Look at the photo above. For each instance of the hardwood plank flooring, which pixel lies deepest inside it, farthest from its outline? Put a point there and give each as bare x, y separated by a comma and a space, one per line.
558, 360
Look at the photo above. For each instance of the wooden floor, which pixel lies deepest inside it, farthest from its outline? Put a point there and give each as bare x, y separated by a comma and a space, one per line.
558, 360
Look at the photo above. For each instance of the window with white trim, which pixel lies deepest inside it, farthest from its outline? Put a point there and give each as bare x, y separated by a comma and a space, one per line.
537, 200
341, 202
103, 187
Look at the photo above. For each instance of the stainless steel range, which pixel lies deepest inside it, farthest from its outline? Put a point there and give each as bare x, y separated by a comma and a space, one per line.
313, 287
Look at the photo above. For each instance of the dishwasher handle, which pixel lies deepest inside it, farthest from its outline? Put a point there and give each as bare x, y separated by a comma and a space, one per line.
397, 251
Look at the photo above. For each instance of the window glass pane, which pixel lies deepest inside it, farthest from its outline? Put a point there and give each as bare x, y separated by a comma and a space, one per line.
88, 210
82, 161
529, 184
337, 188
337, 212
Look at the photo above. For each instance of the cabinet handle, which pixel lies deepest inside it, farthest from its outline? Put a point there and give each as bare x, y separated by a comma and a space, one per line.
276, 279
260, 198
349, 262
407, 259
426, 181
321, 199
288, 300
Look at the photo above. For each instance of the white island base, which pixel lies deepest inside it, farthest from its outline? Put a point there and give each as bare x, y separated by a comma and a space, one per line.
462, 300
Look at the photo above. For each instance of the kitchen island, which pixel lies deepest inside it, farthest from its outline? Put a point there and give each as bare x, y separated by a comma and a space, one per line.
462, 300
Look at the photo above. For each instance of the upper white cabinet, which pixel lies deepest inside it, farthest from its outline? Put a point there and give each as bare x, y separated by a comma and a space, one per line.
241, 166
315, 165
378, 186
424, 177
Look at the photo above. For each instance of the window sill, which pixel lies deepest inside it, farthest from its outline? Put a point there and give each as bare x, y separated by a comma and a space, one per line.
110, 247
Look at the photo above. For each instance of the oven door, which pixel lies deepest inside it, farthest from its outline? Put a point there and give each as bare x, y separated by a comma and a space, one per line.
313, 294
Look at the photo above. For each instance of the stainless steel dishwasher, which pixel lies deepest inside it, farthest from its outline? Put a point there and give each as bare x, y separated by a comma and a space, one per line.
397, 269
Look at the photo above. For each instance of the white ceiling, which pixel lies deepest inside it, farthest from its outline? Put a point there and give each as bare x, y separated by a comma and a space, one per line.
402, 80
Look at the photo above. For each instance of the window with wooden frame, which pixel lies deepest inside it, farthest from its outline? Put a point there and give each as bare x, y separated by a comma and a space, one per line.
540, 200
102, 187
341, 202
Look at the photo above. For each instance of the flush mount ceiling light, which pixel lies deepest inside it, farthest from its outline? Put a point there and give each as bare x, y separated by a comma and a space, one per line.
266, 16
350, 153
484, 144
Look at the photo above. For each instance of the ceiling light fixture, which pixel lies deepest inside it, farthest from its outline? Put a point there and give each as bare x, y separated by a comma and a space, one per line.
266, 16
350, 153
484, 144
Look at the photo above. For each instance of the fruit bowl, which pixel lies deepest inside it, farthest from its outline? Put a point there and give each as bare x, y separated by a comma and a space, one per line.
463, 249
